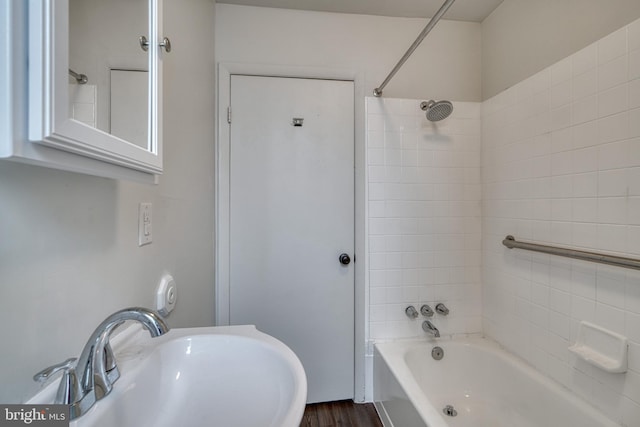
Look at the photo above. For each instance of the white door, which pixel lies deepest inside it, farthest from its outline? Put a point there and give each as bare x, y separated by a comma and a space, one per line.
129, 109
291, 217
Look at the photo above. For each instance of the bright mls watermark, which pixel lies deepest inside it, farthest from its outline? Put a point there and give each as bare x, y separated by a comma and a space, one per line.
34, 415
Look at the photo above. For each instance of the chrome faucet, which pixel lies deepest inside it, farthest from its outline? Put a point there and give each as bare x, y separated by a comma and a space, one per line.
91, 377
429, 328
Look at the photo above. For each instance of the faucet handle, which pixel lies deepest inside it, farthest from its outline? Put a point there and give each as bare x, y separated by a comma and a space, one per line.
426, 311
411, 312
68, 390
44, 375
442, 309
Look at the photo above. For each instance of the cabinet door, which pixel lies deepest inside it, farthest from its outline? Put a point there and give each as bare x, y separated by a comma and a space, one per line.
71, 39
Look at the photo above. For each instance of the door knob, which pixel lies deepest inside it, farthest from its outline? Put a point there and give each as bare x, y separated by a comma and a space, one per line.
344, 259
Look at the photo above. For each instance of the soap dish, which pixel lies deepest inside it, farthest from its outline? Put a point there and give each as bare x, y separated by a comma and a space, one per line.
601, 347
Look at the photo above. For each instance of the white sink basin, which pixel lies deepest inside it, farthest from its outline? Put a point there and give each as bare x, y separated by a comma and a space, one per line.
220, 376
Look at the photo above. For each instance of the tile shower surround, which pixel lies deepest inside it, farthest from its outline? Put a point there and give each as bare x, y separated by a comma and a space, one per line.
560, 165
424, 186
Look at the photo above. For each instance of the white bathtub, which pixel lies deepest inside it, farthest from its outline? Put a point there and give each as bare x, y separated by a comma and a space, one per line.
487, 386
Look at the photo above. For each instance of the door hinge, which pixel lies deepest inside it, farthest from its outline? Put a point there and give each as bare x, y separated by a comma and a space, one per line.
229, 115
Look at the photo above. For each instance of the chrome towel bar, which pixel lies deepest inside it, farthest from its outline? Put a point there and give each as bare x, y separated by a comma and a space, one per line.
80, 78
618, 261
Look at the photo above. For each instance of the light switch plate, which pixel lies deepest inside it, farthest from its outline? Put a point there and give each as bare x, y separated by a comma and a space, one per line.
145, 228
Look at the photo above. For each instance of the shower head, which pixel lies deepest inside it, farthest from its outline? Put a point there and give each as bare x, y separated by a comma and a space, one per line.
436, 111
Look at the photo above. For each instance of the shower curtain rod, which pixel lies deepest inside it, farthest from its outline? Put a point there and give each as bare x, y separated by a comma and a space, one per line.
432, 23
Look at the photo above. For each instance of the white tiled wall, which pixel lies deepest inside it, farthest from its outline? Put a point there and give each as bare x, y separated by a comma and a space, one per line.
83, 103
561, 166
424, 193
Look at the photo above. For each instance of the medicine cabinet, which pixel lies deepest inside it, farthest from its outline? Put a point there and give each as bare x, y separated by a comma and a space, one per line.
83, 86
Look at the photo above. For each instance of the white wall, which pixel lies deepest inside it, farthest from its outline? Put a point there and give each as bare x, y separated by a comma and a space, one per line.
522, 37
561, 166
446, 65
68, 253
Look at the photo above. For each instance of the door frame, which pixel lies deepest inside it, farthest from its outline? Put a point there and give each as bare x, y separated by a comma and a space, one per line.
222, 192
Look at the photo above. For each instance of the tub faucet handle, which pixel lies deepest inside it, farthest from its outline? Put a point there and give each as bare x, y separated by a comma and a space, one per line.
442, 309
411, 312
426, 311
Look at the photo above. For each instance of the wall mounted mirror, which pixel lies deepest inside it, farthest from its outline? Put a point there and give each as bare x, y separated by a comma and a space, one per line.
94, 86
109, 81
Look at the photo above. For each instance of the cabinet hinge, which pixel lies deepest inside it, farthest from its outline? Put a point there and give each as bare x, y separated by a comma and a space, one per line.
229, 115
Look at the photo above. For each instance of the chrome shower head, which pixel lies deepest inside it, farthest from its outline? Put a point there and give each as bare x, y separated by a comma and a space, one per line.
436, 111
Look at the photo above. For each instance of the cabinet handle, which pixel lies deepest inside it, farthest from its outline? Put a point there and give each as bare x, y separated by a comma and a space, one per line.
144, 44
166, 44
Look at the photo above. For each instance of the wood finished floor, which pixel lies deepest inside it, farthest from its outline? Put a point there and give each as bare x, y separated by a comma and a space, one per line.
343, 413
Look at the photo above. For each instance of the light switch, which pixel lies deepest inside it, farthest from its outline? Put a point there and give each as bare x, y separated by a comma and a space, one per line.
145, 235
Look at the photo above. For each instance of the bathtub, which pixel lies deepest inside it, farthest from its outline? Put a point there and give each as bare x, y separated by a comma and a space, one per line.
487, 386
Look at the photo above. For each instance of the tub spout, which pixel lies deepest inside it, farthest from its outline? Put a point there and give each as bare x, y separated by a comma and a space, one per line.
429, 328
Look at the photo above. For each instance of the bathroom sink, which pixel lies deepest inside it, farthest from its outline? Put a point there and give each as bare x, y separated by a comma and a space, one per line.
231, 376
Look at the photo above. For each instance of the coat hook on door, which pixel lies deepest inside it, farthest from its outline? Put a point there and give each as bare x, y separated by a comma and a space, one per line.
297, 121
